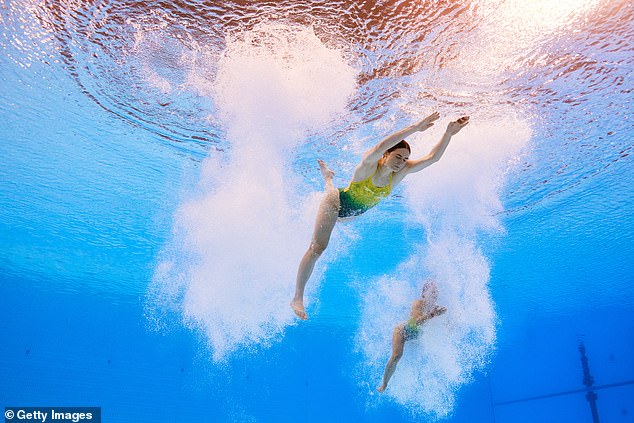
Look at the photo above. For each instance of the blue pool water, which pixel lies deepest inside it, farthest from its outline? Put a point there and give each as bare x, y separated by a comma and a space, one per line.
148, 255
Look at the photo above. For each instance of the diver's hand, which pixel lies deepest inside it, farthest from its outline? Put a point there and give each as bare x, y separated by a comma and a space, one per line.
437, 311
427, 123
454, 127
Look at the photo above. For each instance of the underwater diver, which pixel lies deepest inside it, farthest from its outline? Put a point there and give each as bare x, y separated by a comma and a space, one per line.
422, 310
382, 168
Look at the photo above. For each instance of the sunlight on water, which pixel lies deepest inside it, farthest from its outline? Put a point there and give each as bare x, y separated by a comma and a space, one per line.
539, 17
244, 233
512, 34
457, 199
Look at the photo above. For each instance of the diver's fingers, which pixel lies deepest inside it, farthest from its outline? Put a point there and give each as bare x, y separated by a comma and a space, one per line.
434, 116
439, 310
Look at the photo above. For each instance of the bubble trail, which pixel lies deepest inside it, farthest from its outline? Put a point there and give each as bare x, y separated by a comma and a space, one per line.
238, 241
456, 202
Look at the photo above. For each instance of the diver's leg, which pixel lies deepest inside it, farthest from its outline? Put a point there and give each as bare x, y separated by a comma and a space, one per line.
397, 352
325, 222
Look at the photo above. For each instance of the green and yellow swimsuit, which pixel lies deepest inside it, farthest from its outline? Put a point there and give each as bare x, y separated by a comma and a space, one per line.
361, 196
411, 330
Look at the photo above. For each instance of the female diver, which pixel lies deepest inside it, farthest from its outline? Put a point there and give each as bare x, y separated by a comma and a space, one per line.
382, 168
422, 310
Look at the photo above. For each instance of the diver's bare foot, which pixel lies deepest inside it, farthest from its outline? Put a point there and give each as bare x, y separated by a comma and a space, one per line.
325, 171
381, 388
298, 308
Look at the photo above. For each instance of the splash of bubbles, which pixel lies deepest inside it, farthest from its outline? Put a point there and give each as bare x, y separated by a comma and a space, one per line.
456, 201
239, 241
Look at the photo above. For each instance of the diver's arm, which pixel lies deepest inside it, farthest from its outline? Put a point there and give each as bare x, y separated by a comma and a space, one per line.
437, 311
436, 153
372, 156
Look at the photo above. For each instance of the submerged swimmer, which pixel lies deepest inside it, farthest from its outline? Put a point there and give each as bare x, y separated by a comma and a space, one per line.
422, 310
382, 168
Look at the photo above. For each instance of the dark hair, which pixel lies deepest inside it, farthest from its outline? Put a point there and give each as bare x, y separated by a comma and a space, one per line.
402, 144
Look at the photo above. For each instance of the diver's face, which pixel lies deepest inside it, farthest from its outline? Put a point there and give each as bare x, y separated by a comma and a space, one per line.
395, 160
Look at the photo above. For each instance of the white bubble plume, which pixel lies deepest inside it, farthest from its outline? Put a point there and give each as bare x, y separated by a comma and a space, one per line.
457, 200
239, 241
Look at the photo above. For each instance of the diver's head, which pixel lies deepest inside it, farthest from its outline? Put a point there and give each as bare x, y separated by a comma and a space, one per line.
396, 157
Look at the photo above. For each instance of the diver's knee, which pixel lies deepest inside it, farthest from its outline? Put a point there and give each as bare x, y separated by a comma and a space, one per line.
396, 357
317, 248
332, 197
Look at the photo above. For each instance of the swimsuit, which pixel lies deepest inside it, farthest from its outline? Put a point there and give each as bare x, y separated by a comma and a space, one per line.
361, 196
410, 330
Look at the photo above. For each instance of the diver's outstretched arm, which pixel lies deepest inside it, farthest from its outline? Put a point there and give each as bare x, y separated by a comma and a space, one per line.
436, 311
436, 153
397, 352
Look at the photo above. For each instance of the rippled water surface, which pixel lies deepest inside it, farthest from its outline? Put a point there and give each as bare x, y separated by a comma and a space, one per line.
158, 187
139, 59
